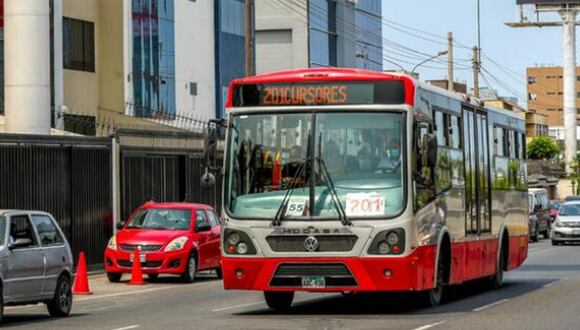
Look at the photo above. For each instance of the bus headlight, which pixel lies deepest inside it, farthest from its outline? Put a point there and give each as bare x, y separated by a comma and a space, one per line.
388, 242
392, 238
237, 243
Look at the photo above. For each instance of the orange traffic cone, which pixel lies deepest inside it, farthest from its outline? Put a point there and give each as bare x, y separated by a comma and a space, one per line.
136, 273
81, 285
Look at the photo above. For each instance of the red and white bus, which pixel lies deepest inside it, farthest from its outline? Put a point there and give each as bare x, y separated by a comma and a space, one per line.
341, 180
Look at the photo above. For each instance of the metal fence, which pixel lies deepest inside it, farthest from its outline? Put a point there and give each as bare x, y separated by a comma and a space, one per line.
72, 178
69, 177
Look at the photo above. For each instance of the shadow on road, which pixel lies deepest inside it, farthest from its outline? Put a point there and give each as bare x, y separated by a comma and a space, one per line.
15, 319
461, 298
174, 279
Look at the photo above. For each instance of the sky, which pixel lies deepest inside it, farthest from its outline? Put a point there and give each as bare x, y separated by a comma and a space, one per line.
513, 49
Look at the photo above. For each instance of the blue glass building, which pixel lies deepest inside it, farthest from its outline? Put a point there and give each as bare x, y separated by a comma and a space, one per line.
153, 58
230, 35
345, 33
369, 36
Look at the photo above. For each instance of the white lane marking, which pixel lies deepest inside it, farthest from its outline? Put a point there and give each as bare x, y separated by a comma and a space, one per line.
110, 295
478, 309
555, 282
127, 328
429, 326
236, 306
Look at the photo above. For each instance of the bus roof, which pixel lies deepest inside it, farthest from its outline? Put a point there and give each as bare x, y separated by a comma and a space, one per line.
314, 75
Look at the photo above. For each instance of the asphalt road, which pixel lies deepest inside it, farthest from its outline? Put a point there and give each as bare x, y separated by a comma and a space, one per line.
542, 294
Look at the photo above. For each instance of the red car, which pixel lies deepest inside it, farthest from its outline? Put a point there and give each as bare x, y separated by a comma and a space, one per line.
173, 238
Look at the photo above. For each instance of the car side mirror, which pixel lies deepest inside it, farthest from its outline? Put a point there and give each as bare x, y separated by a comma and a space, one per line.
203, 227
120, 225
20, 243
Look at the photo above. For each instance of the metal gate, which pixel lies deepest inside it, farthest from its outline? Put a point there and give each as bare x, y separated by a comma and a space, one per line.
69, 177
163, 176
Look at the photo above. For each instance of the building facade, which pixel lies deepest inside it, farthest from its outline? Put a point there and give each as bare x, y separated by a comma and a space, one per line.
143, 64
545, 93
318, 33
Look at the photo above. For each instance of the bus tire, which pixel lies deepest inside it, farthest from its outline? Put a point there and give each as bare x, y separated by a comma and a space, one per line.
279, 301
496, 280
434, 297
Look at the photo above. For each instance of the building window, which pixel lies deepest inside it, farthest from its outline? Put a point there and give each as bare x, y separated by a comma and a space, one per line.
531, 80
78, 44
233, 17
323, 38
532, 96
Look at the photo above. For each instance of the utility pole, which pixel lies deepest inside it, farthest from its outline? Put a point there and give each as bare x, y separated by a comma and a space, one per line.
450, 83
567, 12
249, 40
476, 72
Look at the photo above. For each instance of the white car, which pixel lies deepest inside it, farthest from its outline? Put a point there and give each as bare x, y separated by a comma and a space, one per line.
566, 227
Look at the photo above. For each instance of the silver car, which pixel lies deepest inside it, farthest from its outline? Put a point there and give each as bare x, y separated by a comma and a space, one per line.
35, 262
566, 227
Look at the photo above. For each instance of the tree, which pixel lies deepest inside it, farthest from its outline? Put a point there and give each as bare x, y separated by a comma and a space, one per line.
542, 147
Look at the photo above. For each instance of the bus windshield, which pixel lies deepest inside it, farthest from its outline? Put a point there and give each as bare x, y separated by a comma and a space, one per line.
314, 161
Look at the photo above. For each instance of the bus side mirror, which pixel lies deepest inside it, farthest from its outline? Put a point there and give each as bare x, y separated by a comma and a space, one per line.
210, 150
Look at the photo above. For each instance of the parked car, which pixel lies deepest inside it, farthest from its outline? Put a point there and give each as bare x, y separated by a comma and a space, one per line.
566, 228
572, 198
172, 238
540, 208
554, 208
35, 262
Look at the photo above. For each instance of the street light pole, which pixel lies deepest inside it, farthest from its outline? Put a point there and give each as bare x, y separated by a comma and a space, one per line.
441, 53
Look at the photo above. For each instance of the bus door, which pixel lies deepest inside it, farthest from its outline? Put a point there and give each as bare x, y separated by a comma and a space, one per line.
477, 192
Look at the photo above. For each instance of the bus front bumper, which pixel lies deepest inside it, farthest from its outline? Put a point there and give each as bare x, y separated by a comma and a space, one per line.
414, 272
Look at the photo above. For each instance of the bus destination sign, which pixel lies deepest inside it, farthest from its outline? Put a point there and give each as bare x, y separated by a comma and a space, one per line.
329, 93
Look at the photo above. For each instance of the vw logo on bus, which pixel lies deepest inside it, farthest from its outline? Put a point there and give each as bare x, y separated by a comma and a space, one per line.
311, 244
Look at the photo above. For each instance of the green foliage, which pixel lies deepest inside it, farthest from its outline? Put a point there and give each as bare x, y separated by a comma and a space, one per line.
542, 147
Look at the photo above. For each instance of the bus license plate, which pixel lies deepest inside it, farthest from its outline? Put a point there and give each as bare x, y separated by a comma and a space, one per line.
313, 282
142, 258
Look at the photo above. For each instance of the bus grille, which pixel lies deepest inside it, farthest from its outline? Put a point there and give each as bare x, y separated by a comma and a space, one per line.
290, 275
326, 243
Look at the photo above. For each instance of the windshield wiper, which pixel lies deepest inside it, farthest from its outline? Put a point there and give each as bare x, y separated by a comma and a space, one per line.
300, 171
293, 183
334, 195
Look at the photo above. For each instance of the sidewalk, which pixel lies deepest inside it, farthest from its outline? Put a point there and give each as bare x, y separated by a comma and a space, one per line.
100, 286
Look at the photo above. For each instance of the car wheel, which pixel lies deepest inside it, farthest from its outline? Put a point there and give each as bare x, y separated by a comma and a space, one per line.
1, 303
61, 303
188, 275
114, 277
279, 301
554, 243
218, 272
547, 232
153, 277
536, 234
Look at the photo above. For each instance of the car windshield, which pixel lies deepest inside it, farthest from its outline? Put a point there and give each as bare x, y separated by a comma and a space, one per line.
322, 158
162, 219
569, 209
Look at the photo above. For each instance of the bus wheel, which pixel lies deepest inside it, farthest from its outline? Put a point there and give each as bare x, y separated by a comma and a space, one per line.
496, 280
279, 301
434, 297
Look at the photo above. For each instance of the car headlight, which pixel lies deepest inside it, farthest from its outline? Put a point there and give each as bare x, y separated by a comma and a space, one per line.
177, 244
112, 243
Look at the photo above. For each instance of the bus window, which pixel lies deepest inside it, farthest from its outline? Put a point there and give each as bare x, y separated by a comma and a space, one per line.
423, 174
498, 141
